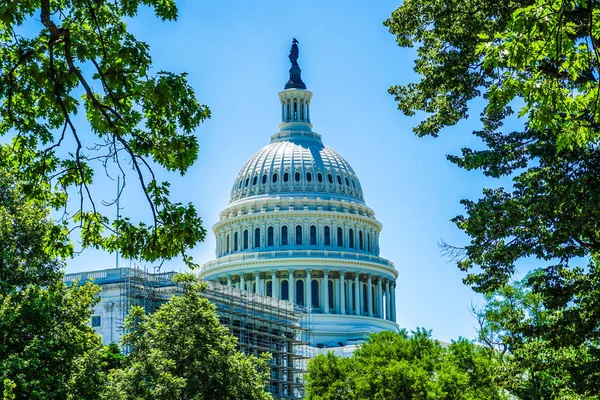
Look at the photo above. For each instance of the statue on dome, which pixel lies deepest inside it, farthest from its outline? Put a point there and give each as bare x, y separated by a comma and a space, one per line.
294, 52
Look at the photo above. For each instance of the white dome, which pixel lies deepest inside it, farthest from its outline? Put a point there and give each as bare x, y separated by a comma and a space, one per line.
297, 164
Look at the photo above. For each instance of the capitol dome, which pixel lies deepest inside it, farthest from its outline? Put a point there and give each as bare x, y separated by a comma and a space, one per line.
297, 229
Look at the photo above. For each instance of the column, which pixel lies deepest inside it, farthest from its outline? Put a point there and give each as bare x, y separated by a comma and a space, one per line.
308, 290
291, 286
379, 298
356, 294
342, 294
394, 302
388, 311
370, 295
274, 285
229, 280
349, 296
326, 292
242, 282
256, 282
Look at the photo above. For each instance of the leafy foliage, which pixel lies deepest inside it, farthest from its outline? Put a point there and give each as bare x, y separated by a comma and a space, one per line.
183, 352
47, 348
543, 57
83, 59
394, 365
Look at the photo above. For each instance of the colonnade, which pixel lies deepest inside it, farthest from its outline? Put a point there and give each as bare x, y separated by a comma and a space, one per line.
326, 291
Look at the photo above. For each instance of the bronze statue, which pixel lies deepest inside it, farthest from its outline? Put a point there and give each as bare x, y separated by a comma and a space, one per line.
294, 52
295, 81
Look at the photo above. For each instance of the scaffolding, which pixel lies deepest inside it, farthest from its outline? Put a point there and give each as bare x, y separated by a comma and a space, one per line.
263, 324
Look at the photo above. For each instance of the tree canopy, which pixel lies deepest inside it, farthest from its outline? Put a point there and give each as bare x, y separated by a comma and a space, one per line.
396, 365
534, 63
183, 352
81, 58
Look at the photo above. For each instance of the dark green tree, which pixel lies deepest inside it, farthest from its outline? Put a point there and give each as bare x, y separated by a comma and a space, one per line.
183, 352
47, 348
81, 58
538, 60
399, 366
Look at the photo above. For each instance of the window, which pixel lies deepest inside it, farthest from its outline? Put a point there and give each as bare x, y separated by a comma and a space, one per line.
254, 181
360, 240
330, 178
308, 177
340, 237
286, 177
347, 183
264, 179
313, 235
320, 177
240, 185
314, 288
352, 181
300, 292
365, 300
330, 292
235, 241
270, 236
227, 244
270, 288
327, 236
284, 235
351, 238
285, 293
96, 321
274, 177
298, 235
369, 242
339, 179
297, 176
245, 239
257, 237
247, 181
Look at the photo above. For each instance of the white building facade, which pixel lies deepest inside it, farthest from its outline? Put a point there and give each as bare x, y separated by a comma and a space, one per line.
297, 228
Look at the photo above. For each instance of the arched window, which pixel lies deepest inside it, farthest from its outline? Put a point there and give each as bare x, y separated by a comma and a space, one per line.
353, 185
298, 234
235, 241
245, 239
270, 288
227, 244
274, 177
285, 293
351, 238
286, 177
300, 292
365, 300
313, 235
314, 291
330, 293
297, 176
240, 186
284, 235
360, 240
308, 177
340, 237
257, 237
264, 179
330, 178
327, 236
347, 183
320, 177
339, 179
270, 236
254, 180
247, 181
369, 242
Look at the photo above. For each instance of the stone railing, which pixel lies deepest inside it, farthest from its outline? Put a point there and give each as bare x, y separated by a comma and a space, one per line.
269, 255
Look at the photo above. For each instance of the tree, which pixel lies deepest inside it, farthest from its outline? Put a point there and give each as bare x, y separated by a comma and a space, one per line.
183, 352
543, 58
83, 59
394, 365
47, 348
512, 323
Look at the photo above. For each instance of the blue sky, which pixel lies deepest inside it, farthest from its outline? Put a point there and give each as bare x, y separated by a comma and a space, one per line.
235, 54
